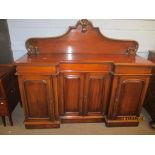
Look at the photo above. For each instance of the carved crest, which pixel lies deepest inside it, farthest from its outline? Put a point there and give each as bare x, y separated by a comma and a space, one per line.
84, 23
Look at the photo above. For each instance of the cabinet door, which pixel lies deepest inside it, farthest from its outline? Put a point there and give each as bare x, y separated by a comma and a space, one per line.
96, 93
130, 94
71, 93
37, 94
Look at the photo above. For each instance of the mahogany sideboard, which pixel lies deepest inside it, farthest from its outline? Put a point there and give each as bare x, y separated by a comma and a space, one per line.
149, 103
9, 92
82, 76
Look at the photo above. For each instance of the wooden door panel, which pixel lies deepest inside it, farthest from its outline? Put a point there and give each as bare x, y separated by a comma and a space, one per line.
95, 94
97, 88
129, 96
71, 87
38, 97
71, 93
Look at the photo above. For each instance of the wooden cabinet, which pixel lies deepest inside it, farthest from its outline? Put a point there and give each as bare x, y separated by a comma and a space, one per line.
9, 92
82, 76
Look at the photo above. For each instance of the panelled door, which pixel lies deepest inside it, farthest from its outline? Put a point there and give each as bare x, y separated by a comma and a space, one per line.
129, 95
38, 97
96, 93
84, 94
71, 93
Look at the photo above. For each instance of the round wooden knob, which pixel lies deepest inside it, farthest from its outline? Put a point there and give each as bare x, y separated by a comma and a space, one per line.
2, 103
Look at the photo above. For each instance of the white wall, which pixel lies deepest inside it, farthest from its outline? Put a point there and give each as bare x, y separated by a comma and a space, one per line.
141, 30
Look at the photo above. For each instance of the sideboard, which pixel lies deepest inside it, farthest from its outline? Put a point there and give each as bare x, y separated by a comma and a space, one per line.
82, 76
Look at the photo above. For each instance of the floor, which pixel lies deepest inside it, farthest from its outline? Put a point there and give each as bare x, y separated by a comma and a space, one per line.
75, 129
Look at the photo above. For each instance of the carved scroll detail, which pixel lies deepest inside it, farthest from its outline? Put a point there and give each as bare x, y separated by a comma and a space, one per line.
84, 23
132, 50
33, 50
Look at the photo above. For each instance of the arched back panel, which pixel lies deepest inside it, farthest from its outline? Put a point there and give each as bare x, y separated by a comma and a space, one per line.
83, 39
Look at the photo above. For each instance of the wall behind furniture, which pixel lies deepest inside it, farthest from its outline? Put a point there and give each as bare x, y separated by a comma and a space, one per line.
6, 55
141, 30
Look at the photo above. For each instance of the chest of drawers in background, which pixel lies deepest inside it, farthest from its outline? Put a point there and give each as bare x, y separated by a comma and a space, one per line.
9, 95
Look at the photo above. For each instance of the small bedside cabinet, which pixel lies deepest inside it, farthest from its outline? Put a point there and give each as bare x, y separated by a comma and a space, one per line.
9, 96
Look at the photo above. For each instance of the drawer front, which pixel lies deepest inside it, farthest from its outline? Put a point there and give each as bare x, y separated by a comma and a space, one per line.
3, 107
7, 83
133, 70
86, 67
2, 96
41, 70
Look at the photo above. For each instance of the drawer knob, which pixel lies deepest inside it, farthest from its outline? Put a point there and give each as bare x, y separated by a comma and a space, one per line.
2, 103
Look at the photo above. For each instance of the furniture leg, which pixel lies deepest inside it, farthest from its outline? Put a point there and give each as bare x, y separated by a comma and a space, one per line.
20, 103
3, 120
10, 120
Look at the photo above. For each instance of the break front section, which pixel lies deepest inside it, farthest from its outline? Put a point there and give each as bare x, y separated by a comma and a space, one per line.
84, 92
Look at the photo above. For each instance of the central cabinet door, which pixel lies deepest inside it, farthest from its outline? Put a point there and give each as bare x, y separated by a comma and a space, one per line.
96, 93
84, 94
71, 93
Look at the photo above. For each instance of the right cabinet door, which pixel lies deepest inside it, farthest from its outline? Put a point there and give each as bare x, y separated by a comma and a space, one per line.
96, 93
130, 95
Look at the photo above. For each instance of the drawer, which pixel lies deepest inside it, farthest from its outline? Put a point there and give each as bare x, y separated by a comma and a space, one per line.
41, 70
6, 83
98, 67
120, 69
3, 107
2, 94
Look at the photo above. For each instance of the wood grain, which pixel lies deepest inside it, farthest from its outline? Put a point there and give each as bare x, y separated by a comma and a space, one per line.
89, 78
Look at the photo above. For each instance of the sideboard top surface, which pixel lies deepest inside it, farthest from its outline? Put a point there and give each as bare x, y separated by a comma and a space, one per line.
84, 58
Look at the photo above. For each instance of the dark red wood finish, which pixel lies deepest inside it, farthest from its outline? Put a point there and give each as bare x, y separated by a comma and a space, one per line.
9, 92
81, 76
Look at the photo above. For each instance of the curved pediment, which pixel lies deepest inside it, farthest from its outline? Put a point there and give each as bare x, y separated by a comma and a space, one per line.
83, 38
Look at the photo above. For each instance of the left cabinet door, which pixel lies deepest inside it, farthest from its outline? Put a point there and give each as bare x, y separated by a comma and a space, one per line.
38, 101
